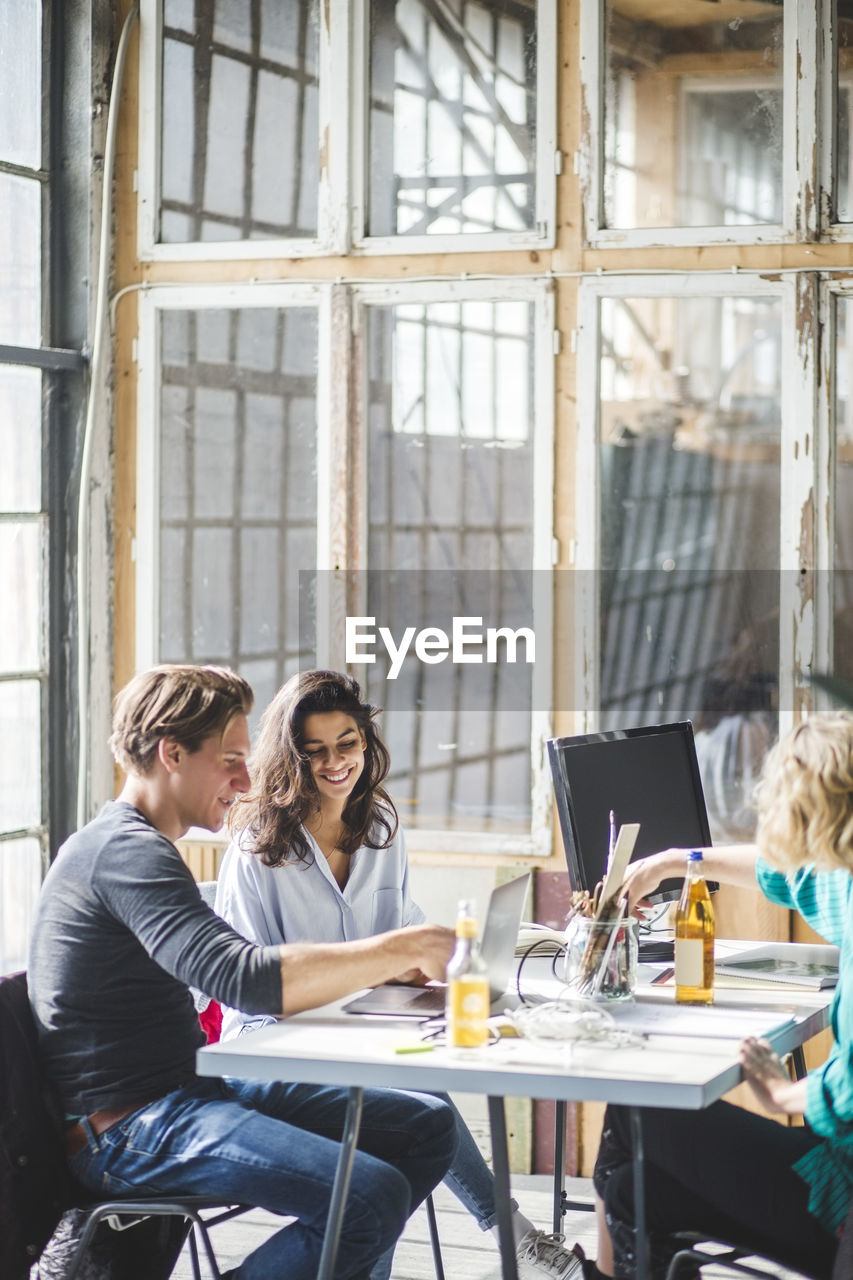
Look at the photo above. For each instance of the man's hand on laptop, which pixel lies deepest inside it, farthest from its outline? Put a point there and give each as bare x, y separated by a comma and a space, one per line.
434, 948
312, 974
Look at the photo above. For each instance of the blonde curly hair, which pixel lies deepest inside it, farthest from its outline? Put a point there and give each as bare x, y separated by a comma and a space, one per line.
805, 796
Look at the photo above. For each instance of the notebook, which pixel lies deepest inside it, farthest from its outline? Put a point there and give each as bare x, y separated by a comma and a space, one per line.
500, 931
800, 964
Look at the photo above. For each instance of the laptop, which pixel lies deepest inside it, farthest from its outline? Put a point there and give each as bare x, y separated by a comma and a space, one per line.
497, 947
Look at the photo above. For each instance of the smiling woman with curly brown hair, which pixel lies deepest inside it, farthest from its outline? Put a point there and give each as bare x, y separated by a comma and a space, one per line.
319, 856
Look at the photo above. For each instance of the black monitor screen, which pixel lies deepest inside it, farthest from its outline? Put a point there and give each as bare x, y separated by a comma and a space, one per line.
648, 775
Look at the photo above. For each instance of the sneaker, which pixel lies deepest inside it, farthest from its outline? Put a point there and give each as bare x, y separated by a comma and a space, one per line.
547, 1255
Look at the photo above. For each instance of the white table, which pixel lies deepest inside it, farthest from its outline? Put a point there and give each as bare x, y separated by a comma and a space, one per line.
688, 1072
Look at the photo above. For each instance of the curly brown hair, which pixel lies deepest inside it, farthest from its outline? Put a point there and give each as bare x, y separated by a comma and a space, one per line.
805, 796
283, 792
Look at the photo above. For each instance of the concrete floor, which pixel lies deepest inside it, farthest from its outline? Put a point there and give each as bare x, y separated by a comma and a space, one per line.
467, 1253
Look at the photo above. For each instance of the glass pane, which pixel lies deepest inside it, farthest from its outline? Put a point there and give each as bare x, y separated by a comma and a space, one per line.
20, 261
21, 581
452, 117
20, 83
843, 405
20, 778
20, 882
692, 114
237, 97
689, 589
450, 509
238, 484
20, 438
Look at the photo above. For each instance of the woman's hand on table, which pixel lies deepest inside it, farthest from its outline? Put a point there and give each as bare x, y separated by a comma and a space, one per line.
769, 1080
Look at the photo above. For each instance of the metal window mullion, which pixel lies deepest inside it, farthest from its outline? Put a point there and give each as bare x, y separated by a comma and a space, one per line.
44, 357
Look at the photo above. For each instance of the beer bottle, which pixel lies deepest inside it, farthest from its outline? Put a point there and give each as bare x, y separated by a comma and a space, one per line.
694, 937
467, 985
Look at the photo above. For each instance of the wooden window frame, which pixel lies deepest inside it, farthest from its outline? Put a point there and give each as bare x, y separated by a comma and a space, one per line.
801, 78
343, 120
805, 595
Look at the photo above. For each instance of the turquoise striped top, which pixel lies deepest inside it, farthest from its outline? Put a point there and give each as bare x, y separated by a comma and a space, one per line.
825, 900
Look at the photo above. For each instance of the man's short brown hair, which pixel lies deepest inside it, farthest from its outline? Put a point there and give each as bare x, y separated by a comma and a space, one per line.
177, 701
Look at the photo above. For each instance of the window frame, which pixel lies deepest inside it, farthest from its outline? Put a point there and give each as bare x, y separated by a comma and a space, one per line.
804, 594
800, 106
341, 470
548, 158
333, 70
146, 545
342, 150
540, 293
69, 66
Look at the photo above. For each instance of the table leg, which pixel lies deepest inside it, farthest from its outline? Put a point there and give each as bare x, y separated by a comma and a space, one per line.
340, 1187
500, 1162
641, 1243
559, 1164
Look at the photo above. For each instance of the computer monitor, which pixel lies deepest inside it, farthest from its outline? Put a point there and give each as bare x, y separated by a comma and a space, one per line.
648, 775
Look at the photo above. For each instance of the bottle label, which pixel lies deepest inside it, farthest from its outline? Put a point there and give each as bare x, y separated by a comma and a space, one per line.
467, 1012
689, 962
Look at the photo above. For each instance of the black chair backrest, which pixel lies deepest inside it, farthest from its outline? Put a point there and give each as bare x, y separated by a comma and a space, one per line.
34, 1180
843, 1268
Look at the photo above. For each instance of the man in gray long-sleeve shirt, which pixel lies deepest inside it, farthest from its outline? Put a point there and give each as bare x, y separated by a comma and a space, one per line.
121, 933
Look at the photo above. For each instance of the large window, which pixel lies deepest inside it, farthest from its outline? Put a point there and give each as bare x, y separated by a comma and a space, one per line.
699, 121
696, 605
253, 468
301, 128
23, 518
452, 141
40, 394
239, 90
450, 509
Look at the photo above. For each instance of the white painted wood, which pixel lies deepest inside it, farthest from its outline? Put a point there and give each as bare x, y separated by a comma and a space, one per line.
542, 235
800, 117
332, 235
799, 447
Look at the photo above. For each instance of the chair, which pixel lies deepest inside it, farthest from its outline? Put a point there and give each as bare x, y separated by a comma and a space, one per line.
35, 1184
687, 1263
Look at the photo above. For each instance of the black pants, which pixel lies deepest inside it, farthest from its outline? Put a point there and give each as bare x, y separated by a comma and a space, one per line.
722, 1171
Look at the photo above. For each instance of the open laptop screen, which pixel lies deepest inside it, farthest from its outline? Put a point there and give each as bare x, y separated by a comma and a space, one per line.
648, 775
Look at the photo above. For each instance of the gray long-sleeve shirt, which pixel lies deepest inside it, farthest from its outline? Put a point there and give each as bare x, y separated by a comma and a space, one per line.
120, 934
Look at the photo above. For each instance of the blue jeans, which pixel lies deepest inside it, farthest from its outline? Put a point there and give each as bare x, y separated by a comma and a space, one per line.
276, 1146
471, 1181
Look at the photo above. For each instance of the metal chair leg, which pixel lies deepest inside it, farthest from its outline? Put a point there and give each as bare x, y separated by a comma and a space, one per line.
193, 1247
433, 1238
